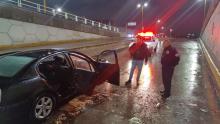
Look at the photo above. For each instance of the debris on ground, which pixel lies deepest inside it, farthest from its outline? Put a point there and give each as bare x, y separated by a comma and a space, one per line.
61, 117
135, 120
77, 105
158, 105
203, 110
193, 105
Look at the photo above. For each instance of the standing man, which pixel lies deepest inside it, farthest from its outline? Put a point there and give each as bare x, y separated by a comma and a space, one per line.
139, 52
170, 58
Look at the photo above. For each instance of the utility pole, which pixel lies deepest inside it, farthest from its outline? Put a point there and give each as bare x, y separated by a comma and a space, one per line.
205, 4
142, 18
45, 6
142, 6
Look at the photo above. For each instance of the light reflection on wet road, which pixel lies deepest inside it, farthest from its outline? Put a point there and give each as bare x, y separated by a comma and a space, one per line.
192, 99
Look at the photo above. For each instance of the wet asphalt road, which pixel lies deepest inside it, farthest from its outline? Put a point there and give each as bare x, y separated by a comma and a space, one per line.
193, 99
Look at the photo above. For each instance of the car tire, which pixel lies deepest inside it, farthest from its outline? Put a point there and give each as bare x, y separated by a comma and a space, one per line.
42, 107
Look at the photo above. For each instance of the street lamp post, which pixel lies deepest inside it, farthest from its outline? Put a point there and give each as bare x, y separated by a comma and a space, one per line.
205, 5
142, 6
205, 8
45, 6
157, 25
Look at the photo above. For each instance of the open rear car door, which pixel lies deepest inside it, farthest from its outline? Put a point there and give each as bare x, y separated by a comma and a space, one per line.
108, 67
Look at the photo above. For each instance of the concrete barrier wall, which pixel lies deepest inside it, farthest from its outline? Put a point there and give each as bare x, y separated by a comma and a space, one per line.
17, 32
24, 15
211, 36
209, 11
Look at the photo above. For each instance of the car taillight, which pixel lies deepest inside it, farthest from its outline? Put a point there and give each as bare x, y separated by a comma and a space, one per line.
146, 34
147, 38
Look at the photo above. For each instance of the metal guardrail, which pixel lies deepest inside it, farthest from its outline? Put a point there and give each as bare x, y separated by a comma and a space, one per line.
32, 6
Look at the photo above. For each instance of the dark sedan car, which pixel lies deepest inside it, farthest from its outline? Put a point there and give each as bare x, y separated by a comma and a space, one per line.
32, 83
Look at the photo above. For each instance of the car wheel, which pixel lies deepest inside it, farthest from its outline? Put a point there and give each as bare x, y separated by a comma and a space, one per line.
43, 107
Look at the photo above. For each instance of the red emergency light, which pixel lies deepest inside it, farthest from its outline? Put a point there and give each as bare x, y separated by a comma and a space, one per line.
146, 34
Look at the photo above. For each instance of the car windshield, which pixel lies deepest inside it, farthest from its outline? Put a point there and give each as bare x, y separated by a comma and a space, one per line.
11, 65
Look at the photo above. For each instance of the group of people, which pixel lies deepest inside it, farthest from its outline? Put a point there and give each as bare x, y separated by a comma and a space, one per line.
170, 58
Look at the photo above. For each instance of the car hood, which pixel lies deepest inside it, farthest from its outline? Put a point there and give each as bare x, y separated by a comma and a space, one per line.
4, 82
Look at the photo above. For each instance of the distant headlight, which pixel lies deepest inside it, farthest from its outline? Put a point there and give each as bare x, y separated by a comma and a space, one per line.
130, 35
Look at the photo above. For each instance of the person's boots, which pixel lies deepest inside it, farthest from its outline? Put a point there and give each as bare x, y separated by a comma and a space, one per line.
162, 92
165, 96
128, 82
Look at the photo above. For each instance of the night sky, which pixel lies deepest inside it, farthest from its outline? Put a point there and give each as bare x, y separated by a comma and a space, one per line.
184, 16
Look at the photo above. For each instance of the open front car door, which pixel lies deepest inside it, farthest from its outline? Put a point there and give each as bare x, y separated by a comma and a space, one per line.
108, 67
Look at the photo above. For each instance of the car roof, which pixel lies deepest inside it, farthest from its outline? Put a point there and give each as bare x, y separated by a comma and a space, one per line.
41, 53
37, 53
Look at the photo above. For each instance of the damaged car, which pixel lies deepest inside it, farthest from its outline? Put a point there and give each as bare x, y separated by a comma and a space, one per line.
33, 83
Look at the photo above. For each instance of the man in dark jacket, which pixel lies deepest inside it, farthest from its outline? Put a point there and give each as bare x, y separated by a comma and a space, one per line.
170, 58
139, 52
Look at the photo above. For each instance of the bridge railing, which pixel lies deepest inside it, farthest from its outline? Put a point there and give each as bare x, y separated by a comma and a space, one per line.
36, 7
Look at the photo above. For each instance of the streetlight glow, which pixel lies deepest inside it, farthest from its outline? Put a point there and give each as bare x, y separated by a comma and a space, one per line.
158, 21
171, 30
145, 4
59, 10
142, 5
139, 5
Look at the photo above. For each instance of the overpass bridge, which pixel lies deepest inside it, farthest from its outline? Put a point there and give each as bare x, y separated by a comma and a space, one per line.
195, 85
25, 23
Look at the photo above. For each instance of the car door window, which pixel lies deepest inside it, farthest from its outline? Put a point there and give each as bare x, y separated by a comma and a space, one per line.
29, 73
82, 64
108, 67
108, 56
47, 66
